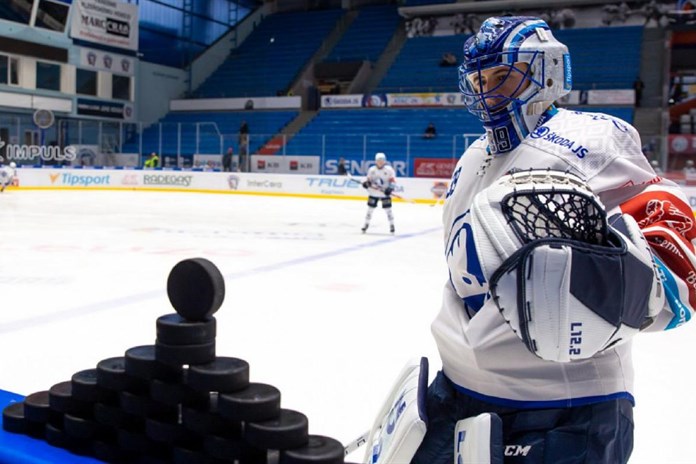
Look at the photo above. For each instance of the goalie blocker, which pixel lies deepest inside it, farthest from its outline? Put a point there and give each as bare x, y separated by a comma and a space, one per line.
569, 283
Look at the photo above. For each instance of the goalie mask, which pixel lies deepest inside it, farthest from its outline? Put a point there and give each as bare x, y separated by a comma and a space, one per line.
569, 281
513, 70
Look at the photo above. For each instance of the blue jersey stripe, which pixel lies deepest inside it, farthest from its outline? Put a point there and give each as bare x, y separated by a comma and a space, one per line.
562, 403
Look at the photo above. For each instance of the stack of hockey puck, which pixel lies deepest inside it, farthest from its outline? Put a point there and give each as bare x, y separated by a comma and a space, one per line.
174, 401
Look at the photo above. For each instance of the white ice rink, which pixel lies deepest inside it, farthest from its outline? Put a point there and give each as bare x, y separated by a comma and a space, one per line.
326, 314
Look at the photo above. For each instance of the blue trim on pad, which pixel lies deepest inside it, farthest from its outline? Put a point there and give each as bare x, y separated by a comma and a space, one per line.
565, 403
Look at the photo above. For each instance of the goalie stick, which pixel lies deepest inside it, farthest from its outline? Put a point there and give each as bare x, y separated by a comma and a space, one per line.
395, 195
357, 443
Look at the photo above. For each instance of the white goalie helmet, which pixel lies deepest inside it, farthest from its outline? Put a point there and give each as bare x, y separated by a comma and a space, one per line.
570, 281
13, 164
509, 42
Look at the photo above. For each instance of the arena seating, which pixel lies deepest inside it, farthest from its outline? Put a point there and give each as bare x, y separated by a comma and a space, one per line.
268, 61
398, 132
367, 35
601, 63
600, 57
262, 124
417, 69
360, 132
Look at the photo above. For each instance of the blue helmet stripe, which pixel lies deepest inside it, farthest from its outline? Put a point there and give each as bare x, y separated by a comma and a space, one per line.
521, 36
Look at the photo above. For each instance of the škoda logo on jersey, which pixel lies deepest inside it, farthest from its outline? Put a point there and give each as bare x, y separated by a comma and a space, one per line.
544, 133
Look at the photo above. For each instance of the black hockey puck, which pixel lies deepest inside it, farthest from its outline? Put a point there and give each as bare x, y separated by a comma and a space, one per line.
224, 374
318, 450
60, 399
85, 387
289, 430
233, 449
182, 455
134, 440
141, 363
179, 355
13, 419
177, 393
109, 452
36, 407
144, 406
164, 431
81, 428
196, 288
115, 417
173, 329
257, 402
207, 421
55, 436
111, 374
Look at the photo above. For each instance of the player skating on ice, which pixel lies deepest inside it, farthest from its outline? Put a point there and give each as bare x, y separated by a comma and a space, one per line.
561, 244
380, 183
7, 175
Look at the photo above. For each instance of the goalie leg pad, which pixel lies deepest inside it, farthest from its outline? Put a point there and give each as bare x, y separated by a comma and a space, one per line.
479, 440
401, 423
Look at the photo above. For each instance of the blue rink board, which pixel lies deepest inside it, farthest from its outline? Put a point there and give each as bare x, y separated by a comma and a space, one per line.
21, 449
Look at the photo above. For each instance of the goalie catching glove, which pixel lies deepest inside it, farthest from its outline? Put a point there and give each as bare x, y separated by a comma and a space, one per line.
569, 283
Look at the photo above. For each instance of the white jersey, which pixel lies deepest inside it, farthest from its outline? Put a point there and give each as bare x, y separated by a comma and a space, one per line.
380, 179
7, 174
479, 351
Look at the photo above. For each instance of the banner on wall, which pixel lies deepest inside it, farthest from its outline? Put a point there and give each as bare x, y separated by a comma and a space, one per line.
98, 60
112, 23
342, 101
285, 164
427, 99
445, 99
104, 109
434, 167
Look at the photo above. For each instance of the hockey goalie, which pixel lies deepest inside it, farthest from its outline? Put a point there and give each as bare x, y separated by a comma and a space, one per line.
562, 245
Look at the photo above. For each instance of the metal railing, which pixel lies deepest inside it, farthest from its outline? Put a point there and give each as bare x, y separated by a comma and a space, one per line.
178, 142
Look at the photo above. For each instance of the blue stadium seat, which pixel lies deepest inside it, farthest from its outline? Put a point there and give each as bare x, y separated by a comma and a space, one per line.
368, 35
599, 58
398, 132
269, 60
417, 67
263, 126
